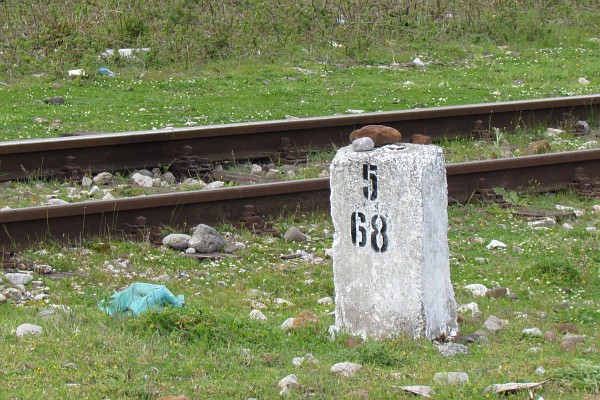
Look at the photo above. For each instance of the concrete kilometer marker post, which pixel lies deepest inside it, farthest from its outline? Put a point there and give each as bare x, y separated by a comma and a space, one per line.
391, 259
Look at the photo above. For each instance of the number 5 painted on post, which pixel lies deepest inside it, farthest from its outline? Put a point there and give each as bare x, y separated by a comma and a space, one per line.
370, 175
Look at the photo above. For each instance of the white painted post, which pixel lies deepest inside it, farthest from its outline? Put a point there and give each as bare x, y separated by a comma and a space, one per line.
390, 249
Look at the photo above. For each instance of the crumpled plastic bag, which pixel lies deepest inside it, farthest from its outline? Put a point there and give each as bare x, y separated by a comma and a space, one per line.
139, 297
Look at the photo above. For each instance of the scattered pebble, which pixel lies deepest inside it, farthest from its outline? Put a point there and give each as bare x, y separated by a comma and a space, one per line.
583, 81
256, 169
450, 378
325, 301
28, 329
283, 302
581, 128
86, 181
307, 359
304, 320
496, 293
257, 315
567, 327
214, 185
142, 180
540, 370
346, 369
496, 244
255, 293
103, 178
18, 278
363, 144
273, 173
473, 307
57, 100
535, 332
570, 341
206, 239
294, 234
477, 289
95, 190
56, 202
452, 349
494, 324
177, 241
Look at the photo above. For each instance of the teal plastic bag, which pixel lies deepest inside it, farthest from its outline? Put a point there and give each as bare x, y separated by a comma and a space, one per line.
139, 297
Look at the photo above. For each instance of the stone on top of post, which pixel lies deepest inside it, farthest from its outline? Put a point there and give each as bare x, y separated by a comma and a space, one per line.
390, 249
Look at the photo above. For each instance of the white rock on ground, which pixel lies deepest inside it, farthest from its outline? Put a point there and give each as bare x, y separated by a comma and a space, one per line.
28, 329
177, 241
496, 244
94, 190
473, 307
18, 278
273, 173
103, 178
286, 325
450, 378
215, 185
494, 324
477, 289
536, 332
287, 383
86, 181
257, 315
346, 369
325, 301
256, 169
142, 180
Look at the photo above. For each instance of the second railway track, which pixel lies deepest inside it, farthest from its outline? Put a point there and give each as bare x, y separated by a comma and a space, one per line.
143, 216
90, 154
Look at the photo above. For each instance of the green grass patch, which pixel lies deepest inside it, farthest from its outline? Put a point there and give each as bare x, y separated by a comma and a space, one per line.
211, 346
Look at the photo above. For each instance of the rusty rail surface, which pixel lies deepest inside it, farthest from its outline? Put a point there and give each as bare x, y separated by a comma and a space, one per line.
143, 215
133, 150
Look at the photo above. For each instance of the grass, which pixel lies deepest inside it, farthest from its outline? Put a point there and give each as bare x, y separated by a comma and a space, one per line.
228, 92
210, 348
234, 62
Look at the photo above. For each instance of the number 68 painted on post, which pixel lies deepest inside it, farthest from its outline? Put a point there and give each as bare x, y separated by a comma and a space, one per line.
361, 230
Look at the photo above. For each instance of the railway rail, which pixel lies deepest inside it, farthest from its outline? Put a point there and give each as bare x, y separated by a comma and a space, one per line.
142, 217
285, 140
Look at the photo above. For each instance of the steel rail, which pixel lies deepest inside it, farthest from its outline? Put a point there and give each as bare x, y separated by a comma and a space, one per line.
133, 150
109, 218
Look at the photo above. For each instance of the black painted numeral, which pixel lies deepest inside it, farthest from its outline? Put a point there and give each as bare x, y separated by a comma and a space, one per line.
377, 227
370, 175
378, 232
354, 229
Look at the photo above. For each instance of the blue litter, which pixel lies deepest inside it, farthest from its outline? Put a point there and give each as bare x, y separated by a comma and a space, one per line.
140, 297
105, 71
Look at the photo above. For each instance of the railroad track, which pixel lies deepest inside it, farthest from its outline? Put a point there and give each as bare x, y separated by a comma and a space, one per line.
285, 141
251, 205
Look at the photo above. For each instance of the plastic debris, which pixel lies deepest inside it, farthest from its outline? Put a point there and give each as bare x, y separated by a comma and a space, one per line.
76, 72
105, 71
125, 53
140, 297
